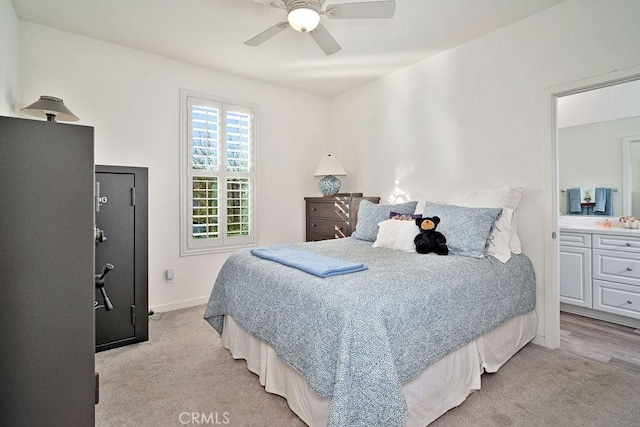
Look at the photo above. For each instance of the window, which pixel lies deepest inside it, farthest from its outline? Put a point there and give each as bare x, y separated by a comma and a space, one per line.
218, 177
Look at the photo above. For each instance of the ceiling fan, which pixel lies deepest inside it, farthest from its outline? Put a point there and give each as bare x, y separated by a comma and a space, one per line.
304, 16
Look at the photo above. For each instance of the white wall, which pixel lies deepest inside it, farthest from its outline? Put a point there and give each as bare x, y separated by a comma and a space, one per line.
473, 117
615, 102
131, 98
591, 156
9, 59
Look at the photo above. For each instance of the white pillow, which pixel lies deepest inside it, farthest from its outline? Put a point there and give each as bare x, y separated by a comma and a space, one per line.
504, 238
397, 234
505, 197
501, 236
514, 242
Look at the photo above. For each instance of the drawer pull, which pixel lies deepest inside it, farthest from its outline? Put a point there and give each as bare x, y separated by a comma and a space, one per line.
314, 225
628, 244
629, 269
314, 209
629, 301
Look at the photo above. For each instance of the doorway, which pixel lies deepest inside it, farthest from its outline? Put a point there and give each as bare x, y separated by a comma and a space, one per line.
559, 201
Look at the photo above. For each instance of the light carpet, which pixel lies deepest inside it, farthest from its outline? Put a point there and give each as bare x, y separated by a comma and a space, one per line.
184, 376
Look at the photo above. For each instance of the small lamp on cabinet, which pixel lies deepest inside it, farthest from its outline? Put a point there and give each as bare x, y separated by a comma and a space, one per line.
329, 167
50, 108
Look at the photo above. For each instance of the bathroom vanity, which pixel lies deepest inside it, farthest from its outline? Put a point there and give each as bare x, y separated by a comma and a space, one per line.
600, 271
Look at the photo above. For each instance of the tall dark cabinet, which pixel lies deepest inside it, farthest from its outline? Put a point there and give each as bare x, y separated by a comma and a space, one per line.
47, 242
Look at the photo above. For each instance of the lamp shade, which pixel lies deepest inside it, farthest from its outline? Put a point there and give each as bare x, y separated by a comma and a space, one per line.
50, 108
329, 165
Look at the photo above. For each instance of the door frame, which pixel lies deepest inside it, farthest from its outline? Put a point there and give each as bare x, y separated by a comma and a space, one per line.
551, 296
141, 256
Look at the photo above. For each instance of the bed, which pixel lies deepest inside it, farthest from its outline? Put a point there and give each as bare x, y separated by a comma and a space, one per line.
399, 343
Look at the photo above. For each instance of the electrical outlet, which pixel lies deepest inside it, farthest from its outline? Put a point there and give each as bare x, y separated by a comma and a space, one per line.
169, 275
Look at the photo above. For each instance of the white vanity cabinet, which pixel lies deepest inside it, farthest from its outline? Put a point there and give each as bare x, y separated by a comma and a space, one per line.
575, 269
600, 275
616, 274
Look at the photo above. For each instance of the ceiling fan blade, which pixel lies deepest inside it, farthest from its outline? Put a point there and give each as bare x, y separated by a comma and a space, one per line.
326, 42
278, 4
267, 34
370, 9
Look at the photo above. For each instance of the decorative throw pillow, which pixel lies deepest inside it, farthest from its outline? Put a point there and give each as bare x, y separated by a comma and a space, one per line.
370, 214
398, 235
404, 217
467, 230
505, 239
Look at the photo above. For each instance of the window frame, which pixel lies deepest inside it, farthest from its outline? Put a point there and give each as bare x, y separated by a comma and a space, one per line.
222, 243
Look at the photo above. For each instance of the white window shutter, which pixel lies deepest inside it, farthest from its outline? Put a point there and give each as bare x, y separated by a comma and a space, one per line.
218, 170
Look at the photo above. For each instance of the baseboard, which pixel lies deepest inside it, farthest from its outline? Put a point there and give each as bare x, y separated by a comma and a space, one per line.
541, 340
163, 308
601, 315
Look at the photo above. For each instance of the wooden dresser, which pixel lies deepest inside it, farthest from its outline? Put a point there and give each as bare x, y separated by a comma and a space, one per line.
333, 217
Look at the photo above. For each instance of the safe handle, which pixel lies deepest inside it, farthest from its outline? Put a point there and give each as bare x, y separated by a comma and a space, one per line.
99, 284
105, 270
97, 196
107, 302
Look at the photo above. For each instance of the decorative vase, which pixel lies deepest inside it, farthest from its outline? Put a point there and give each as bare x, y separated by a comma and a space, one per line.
329, 185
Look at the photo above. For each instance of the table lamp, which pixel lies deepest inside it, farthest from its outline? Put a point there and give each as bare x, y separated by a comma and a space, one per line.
50, 108
329, 167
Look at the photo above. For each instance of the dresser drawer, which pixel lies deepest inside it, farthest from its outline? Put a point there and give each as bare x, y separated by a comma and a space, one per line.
311, 237
579, 240
616, 266
333, 217
334, 209
616, 298
328, 227
619, 243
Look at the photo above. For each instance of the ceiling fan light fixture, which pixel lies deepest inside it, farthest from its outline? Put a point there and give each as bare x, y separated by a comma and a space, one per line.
304, 19
304, 16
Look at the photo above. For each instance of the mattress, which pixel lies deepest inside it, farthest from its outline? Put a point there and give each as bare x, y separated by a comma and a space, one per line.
445, 384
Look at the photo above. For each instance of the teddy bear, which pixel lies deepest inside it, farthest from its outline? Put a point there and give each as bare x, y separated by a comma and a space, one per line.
430, 240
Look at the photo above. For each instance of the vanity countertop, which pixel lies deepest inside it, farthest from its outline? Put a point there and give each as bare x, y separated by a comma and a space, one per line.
599, 229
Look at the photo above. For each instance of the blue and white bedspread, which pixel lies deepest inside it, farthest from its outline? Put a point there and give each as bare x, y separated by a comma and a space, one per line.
357, 338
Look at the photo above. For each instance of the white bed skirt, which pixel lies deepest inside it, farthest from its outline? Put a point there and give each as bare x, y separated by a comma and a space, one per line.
443, 385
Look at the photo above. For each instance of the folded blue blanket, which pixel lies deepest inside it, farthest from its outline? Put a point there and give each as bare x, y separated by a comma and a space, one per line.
316, 264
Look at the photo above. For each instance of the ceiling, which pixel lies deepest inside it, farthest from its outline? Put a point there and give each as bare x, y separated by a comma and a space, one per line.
211, 33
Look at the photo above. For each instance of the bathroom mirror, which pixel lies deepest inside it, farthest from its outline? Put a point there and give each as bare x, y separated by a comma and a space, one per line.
599, 146
631, 175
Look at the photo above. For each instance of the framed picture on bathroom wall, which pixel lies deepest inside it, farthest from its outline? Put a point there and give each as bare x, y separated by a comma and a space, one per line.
587, 194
